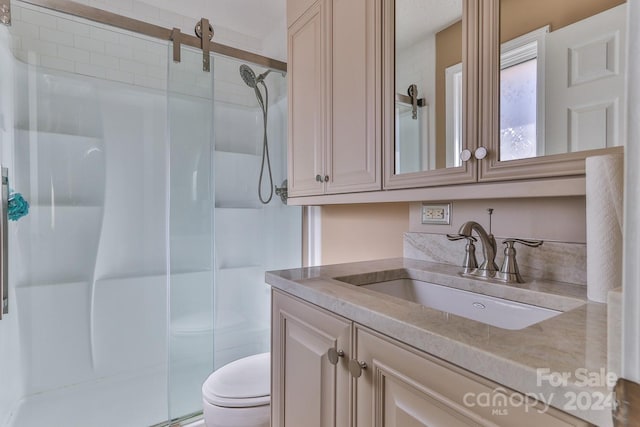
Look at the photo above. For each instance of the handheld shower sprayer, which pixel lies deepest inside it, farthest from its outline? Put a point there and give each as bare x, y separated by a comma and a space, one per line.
250, 79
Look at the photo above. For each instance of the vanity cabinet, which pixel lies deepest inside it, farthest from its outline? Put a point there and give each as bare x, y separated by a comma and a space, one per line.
334, 64
378, 381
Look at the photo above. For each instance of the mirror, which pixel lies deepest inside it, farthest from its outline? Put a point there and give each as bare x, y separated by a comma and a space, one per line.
428, 85
562, 76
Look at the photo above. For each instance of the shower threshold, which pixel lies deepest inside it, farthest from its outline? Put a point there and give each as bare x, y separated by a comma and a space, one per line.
133, 402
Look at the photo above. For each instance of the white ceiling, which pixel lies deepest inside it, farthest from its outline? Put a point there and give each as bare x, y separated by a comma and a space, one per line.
256, 18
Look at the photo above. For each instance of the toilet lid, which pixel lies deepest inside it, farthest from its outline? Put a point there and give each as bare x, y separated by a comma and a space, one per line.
243, 383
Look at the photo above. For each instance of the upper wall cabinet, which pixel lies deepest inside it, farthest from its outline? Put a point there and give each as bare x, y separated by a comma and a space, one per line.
334, 60
430, 92
553, 91
440, 92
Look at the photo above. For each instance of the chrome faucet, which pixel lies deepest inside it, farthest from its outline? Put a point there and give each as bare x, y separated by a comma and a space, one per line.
488, 268
509, 272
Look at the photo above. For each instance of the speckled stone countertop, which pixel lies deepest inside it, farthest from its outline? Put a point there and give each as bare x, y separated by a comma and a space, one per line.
573, 343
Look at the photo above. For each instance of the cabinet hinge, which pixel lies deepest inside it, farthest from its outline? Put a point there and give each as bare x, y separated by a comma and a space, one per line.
626, 407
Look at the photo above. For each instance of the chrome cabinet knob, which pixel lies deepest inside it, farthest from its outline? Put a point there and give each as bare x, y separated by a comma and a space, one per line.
334, 355
465, 155
481, 153
356, 367
318, 178
326, 178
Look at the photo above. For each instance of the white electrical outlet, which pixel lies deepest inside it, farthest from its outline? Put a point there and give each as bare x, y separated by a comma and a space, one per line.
436, 214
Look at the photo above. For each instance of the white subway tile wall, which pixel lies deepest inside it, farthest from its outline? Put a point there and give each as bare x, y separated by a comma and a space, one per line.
65, 43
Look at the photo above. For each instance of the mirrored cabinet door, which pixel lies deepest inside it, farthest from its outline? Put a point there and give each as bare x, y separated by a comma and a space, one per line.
553, 86
430, 92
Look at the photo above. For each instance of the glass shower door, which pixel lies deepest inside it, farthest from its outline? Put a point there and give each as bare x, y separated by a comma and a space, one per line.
12, 388
191, 196
114, 316
84, 138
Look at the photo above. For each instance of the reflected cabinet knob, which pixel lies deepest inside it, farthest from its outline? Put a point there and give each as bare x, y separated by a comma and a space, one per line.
481, 153
356, 367
334, 355
465, 155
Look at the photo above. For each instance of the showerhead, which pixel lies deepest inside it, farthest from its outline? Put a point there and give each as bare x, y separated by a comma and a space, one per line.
249, 77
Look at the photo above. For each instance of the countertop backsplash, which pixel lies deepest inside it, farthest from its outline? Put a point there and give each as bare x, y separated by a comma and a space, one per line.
562, 262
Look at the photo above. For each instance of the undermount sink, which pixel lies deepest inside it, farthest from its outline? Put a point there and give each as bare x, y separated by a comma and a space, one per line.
493, 311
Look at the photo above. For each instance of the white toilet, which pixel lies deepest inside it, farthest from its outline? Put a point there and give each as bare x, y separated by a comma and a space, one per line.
239, 394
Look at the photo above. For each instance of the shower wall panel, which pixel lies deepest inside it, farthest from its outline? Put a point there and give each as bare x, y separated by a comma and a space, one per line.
91, 255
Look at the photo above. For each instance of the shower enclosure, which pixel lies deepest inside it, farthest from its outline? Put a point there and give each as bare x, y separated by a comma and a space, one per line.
139, 268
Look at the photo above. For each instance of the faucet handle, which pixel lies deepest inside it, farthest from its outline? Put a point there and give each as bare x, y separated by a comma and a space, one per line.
531, 243
470, 263
509, 271
454, 237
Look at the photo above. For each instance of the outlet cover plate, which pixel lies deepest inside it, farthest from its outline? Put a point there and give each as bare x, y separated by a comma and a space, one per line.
436, 213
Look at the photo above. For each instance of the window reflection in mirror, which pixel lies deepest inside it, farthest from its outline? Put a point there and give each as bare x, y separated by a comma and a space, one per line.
561, 76
428, 82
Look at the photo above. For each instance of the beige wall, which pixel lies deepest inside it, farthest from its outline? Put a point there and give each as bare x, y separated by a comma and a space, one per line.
363, 232
519, 17
373, 231
561, 219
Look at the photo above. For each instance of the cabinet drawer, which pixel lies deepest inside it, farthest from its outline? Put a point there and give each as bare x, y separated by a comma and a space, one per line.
404, 387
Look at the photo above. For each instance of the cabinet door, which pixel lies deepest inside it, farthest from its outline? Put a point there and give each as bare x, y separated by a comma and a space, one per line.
354, 83
306, 48
297, 8
401, 387
307, 390
551, 99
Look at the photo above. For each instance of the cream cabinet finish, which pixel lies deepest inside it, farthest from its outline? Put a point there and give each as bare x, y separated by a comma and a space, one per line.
403, 387
306, 100
306, 389
467, 172
334, 52
399, 386
297, 8
341, 91
491, 168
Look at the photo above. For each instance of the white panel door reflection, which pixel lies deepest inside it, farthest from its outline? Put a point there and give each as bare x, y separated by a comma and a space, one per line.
585, 95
